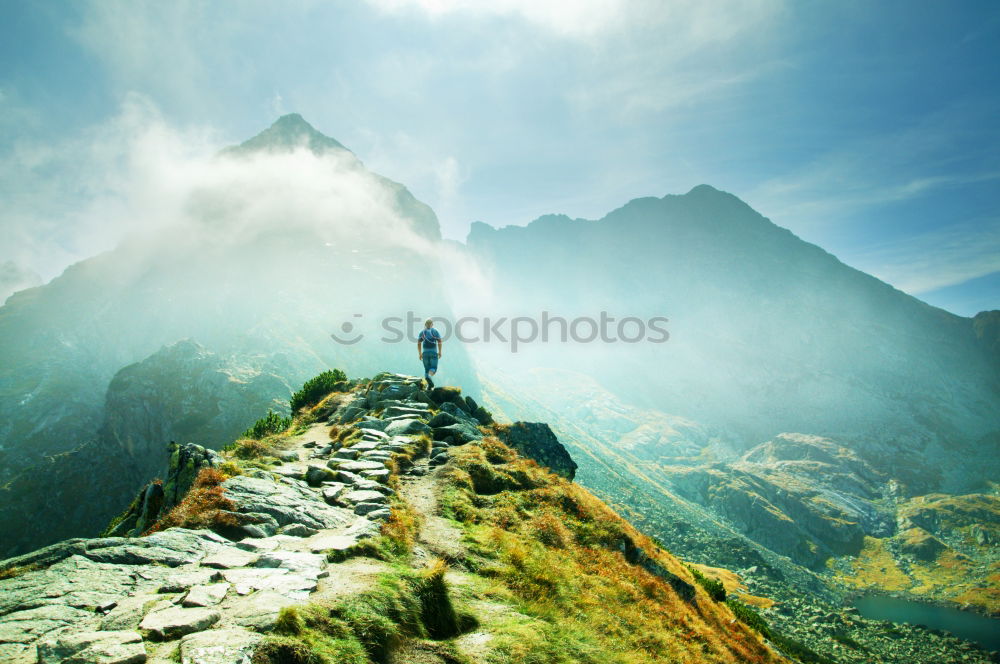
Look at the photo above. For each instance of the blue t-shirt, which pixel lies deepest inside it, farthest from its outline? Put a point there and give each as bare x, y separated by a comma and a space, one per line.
430, 338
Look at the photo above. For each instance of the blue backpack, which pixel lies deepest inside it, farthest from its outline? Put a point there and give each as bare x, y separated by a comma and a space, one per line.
429, 338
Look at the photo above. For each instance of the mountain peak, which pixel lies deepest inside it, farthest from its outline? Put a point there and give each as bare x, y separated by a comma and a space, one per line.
287, 133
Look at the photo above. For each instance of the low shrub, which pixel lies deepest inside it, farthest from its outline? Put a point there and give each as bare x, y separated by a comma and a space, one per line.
270, 424
749, 617
314, 389
713, 587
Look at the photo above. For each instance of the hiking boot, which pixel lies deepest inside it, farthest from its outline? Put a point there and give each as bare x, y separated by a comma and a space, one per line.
430, 383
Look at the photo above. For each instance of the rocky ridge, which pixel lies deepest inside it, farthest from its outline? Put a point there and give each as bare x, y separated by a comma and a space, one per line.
203, 597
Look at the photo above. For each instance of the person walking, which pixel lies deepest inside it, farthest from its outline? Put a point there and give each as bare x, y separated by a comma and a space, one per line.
429, 350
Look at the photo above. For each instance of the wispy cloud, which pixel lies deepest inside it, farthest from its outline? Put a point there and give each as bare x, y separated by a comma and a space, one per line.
944, 257
837, 195
582, 18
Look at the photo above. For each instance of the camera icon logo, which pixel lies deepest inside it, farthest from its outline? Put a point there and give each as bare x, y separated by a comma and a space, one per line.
347, 327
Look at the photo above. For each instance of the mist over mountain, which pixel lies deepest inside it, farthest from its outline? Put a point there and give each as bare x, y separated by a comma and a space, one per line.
731, 389
768, 334
272, 246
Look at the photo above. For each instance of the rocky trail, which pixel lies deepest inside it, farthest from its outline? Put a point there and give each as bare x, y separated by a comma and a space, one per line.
197, 597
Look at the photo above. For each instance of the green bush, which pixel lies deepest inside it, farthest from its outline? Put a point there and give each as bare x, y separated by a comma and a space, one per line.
713, 587
268, 425
314, 389
749, 617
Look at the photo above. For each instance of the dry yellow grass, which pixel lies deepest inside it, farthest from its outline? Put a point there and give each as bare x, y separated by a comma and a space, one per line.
558, 551
876, 568
734, 585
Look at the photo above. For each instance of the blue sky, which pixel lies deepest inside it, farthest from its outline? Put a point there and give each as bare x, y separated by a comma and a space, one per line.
869, 128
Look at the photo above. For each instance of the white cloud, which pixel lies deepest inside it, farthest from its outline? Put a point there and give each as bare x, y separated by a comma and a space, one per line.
137, 178
574, 19
823, 199
945, 257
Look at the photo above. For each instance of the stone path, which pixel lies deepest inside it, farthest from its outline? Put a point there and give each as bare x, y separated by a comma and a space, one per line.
438, 537
199, 597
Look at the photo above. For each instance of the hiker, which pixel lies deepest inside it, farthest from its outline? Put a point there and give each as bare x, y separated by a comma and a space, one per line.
427, 351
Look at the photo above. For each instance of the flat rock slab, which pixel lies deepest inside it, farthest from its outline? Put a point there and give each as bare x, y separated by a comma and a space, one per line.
365, 497
358, 466
209, 594
364, 445
120, 647
27, 626
184, 578
176, 622
219, 646
258, 611
380, 475
229, 558
292, 585
294, 561
266, 543
287, 504
320, 543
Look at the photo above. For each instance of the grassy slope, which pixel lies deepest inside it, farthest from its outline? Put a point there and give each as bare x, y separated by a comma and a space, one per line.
544, 578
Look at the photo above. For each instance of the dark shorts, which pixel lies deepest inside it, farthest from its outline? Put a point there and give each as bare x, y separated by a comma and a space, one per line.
430, 358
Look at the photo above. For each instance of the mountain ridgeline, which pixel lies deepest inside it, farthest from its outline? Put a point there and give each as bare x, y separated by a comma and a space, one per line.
804, 424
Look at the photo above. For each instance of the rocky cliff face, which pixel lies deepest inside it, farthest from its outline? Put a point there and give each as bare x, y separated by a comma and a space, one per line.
181, 393
184, 392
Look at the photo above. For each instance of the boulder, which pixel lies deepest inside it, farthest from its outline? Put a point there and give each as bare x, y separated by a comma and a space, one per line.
316, 475
206, 595
368, 508
407, 427
373, 423
379, 475
460, 433
357, 466
175, 622
535, 440
442, 419
364, 496
332, 491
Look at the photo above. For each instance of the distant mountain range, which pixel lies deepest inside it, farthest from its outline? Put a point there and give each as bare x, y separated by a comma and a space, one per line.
798, 408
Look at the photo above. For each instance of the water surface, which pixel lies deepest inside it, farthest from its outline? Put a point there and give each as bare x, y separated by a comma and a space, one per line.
964, 624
